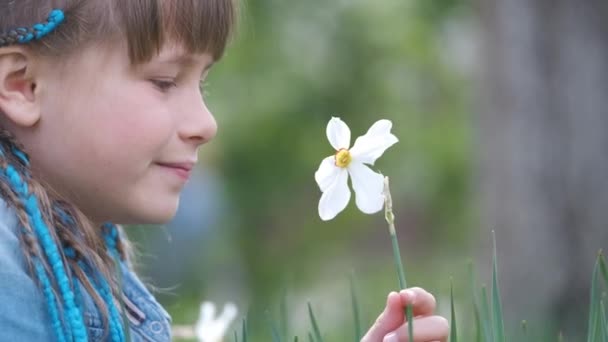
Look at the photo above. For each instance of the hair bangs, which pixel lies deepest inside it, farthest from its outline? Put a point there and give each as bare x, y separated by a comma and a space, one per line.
200, 26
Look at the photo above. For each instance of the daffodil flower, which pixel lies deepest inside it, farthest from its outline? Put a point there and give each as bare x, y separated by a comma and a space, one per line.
213, 329
333, 173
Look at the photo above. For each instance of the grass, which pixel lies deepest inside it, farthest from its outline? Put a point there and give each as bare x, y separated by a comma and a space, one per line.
487, 312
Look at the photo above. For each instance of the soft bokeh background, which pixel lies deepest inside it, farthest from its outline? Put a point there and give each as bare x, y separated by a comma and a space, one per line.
499, 108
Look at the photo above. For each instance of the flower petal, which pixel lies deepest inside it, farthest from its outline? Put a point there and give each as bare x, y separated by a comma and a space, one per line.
368, 186
372, 145
327, 173
338, 134
335, 197
206, 313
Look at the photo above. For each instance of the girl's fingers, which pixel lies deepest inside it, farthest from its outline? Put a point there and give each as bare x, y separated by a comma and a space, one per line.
392, 319
424, 304
426, 329
389, 320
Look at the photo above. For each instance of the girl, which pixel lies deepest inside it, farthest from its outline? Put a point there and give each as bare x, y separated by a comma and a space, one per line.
101, 119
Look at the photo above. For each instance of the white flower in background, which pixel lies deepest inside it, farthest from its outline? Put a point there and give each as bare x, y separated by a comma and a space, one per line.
332, 175
210, 328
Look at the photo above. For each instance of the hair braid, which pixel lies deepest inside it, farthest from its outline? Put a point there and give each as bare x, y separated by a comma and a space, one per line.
71, 248
94, 283
22, 35
34, 262
50, 248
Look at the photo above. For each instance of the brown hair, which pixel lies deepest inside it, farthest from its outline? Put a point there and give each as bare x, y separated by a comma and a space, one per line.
198, 25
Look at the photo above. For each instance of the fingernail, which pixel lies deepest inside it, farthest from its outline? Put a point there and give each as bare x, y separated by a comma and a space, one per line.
392, 337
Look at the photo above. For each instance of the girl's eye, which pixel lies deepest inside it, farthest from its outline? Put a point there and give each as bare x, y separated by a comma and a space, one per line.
164, 85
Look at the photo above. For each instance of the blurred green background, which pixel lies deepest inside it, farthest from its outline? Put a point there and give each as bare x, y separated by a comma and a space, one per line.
248, 227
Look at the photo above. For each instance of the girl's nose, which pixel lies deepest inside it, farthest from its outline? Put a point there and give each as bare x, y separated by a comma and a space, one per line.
199, 125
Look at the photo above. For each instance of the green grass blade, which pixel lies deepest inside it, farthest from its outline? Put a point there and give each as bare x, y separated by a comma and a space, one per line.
355, 304
315, 326
453, 331
284, 315
603, 325
524, 330
603, 268
594, 305
295, 339
479, 336
497, 315
244, 328
310, 337
276, 337
485, 314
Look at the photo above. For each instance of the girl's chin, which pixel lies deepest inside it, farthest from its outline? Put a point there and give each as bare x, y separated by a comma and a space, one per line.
154, 214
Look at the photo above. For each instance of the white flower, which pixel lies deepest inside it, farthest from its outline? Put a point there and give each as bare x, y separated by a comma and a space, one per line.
210, 328
332, 175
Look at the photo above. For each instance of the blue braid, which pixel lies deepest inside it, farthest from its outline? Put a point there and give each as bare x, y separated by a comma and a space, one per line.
77, 330
22, 156
47, 290
70, 253
45, 282
101, 285
111, 239
42, 29
23, 35
50, 249
52, 253
115, 323
103, 288
110, 235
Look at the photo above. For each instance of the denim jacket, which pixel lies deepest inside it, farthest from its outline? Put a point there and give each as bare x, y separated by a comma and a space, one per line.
23, 313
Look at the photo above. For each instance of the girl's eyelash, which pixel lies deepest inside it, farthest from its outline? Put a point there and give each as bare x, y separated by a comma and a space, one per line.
164, 85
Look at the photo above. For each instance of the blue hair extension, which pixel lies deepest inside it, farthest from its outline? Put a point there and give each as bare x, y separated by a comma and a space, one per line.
69, 291
70, 253
22, 156
110, 235
103, 288
75, 319
100, 284
115, 322
23, 35
51, 251
41, 275
47, 290
55, 18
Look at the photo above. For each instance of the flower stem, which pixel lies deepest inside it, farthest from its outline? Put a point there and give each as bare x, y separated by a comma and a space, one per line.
390, 219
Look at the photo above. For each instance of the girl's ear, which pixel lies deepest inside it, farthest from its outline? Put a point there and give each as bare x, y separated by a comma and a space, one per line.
18, 97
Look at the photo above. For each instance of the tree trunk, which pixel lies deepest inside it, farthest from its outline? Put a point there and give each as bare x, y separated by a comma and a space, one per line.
543, 145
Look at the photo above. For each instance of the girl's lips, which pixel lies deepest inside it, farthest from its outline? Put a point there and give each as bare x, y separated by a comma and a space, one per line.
182, 170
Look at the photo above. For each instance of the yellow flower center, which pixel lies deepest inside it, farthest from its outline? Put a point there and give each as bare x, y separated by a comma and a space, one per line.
343, 158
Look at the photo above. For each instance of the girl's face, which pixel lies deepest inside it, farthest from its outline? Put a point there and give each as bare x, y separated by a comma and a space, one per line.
119, 140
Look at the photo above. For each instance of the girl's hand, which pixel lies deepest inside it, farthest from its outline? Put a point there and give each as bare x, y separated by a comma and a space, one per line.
391, 326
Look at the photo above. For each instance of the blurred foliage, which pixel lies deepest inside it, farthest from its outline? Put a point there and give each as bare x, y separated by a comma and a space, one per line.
292, 66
